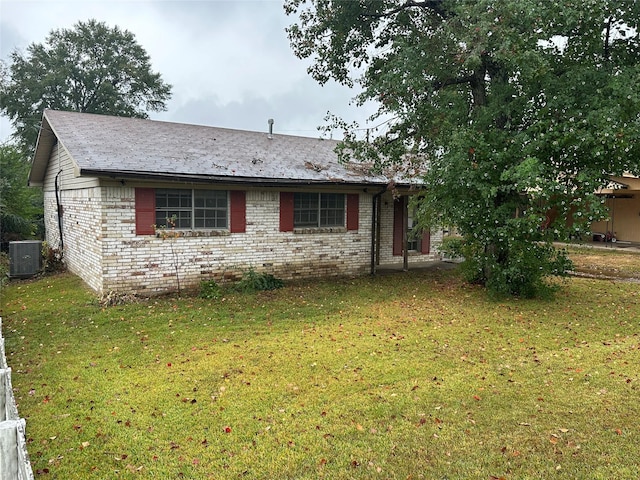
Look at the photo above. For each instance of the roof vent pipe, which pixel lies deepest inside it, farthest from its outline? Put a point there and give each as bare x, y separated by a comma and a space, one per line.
270, 122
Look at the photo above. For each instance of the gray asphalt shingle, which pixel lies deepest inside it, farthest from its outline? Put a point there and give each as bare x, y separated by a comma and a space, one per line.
102, 144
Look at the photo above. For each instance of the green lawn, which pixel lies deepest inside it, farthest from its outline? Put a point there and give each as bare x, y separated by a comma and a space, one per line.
403, 376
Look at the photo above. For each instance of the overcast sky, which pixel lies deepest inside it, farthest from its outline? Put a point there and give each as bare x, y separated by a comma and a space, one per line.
229, 61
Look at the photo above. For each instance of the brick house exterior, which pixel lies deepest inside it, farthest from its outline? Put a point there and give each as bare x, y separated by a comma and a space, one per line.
149, 207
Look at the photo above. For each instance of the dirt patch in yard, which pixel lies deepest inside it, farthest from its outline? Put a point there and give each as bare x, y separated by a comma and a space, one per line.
607, 264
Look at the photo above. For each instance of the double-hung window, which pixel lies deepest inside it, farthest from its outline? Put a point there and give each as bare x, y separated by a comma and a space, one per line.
211, 209
318, 210
192, 209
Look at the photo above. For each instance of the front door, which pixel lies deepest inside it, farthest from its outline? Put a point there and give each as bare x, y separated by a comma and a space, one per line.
405, 237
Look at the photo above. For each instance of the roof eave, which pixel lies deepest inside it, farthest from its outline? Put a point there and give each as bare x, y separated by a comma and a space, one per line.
223, 179
44, 145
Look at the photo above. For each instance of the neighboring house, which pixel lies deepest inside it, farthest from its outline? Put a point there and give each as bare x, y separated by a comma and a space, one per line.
622, 197
148, 207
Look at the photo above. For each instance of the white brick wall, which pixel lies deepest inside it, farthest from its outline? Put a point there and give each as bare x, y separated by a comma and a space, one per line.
50, 220
101, 245
82, 226
147, 264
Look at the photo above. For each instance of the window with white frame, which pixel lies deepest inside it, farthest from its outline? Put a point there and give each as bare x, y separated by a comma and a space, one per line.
192, 209
318, 210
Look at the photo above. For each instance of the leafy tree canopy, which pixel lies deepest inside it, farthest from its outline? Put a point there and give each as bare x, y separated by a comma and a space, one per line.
90, 68
20, 206
516, 111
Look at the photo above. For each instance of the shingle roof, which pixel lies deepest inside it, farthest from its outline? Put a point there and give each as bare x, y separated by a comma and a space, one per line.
120, 146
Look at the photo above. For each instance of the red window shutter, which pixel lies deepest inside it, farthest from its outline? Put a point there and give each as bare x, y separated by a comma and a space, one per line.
145, 211
425, 245
353, 209
398, 222
238, 211
286, 211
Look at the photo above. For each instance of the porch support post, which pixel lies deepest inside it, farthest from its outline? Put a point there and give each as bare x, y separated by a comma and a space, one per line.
379, 229
375, 231
405, 233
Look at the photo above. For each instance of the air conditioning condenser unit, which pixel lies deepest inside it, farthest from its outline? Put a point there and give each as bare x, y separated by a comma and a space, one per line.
25, 258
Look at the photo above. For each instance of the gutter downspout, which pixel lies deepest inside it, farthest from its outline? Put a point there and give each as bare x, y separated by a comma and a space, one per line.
59, 207
375, 240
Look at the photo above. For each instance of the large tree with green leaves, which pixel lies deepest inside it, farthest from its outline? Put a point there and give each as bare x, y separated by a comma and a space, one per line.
90, 68
20, 206
515, 110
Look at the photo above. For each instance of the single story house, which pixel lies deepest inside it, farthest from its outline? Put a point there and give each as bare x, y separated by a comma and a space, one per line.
147, 207
622, 198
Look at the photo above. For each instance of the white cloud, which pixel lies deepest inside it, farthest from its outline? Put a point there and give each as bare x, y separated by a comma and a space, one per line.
229, 62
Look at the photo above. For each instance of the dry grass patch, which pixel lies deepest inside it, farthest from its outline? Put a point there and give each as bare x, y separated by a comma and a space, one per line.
608, 263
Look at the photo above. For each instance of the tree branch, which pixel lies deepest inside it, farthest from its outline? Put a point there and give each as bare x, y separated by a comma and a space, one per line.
435, 5
606, 40
439, 84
